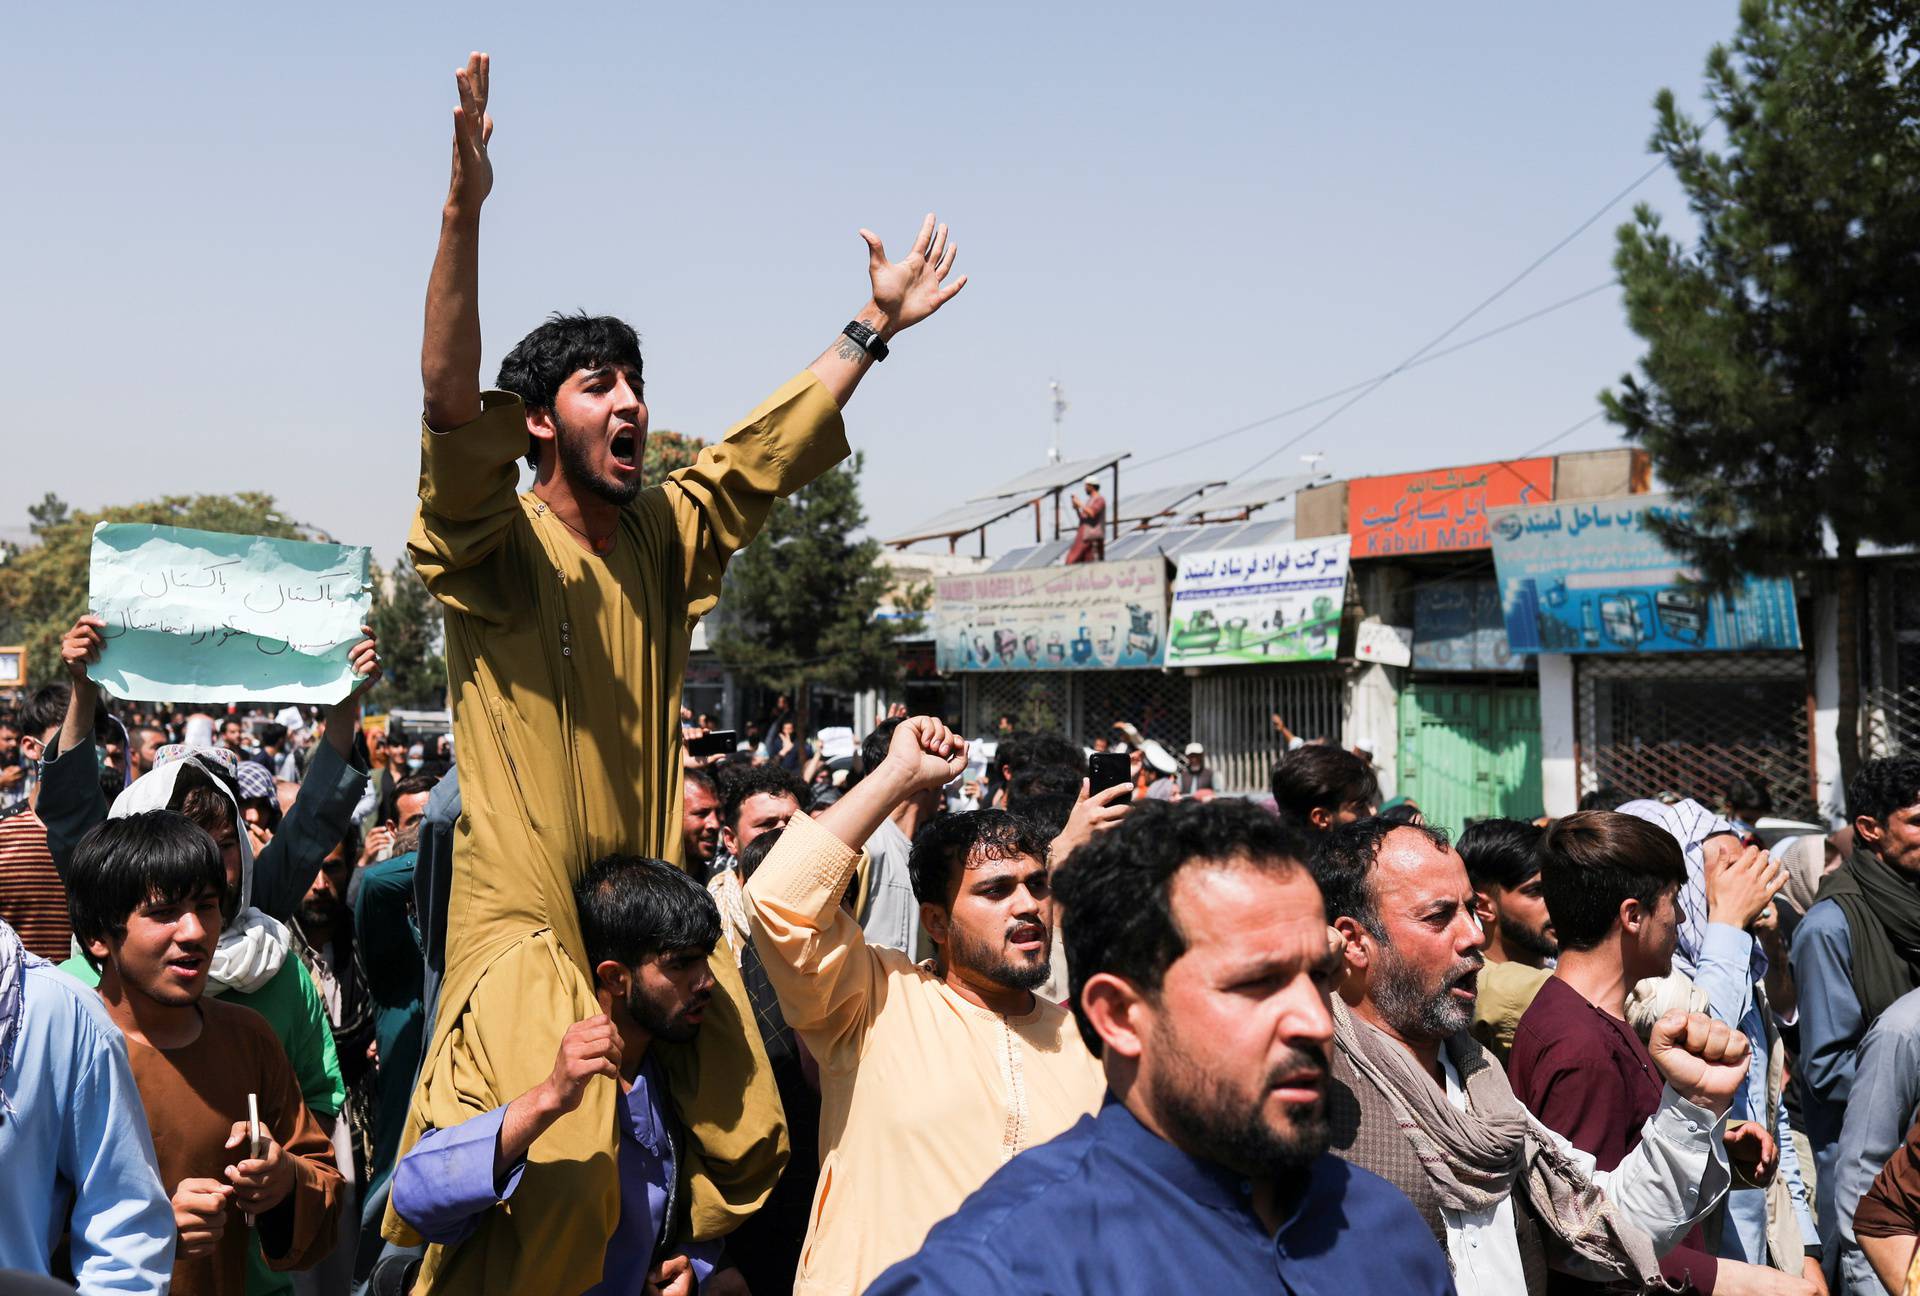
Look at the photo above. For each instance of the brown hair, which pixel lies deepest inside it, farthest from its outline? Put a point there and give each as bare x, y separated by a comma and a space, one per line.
1593, 862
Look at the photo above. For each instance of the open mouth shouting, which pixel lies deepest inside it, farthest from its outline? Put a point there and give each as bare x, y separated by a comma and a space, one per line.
625, 450
1028, 938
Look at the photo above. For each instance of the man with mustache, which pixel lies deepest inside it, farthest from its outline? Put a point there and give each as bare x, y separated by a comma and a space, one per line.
1201, 973
1416, 1100
932, 1075
650, 930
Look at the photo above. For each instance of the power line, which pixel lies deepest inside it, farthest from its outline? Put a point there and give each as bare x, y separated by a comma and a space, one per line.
1454, 327
1478, 338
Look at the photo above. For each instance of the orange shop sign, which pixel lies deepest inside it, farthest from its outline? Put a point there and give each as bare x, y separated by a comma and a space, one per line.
1439, 512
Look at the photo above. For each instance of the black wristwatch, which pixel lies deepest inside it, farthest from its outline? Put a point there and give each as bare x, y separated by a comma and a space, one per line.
868, 340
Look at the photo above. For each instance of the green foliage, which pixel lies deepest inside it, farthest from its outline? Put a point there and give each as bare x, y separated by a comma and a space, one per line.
667, 451
406, 621
799, 601
43, 589
1777, 393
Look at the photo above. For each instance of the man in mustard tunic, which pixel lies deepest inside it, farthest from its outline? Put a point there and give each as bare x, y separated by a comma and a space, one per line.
569, 612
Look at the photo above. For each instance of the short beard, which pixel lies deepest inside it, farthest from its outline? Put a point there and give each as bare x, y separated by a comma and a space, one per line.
577, 464
316, 914
1413, 1009
662, 1026
987, 961
1208, 1120
1527, 942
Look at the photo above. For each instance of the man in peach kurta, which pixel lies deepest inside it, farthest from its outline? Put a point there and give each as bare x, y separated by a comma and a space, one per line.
569, 611
932, 1076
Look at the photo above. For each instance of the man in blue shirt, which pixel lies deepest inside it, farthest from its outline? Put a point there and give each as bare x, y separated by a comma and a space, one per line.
1856, 952
73, 1136
649, 929
1200, 970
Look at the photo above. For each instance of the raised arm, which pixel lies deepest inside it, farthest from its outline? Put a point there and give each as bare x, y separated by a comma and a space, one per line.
450, 349
904, 293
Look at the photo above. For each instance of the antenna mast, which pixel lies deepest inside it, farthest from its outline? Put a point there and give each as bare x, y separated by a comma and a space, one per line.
1059, 411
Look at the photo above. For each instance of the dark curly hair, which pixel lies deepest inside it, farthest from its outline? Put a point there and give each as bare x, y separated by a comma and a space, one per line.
943, 847
1884, 786
545, 358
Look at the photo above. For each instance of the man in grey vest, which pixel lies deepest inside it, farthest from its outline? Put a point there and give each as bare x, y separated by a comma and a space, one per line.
1415, 1099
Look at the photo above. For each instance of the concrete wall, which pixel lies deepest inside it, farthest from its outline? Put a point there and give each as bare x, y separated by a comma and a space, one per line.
1559, 779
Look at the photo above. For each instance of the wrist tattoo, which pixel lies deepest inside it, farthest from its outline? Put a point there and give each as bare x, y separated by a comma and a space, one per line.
849, 350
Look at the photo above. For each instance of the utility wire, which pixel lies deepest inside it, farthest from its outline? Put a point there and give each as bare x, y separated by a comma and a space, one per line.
1508, 327
1454, 327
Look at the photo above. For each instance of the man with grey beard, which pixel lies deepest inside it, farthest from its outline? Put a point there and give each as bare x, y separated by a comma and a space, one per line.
1413, 1098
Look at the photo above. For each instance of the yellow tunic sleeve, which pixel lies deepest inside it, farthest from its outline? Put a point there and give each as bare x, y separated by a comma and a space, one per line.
721, 501
469, 481
829, 981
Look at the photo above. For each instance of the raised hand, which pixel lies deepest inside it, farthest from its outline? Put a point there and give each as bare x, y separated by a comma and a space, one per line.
80, 647
1092, 814
908, 291
472, 129
927, 752
1740, 889
589, 1048
1752, 1152
1704, 1060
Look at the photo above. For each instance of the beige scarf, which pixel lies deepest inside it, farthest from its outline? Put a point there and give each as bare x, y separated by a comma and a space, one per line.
1476, 1158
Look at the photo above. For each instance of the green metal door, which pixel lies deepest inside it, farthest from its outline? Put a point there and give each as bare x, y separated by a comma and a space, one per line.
1470, 752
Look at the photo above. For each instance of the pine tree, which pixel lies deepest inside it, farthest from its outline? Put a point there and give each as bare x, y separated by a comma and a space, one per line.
798, 607
1777, 395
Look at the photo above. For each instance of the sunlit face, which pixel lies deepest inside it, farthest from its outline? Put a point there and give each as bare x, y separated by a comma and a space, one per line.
999, 926
410, 809
760, 813
1234, 1057
1660, 936
667, 995
9, 742
167, 949
1424, 973
700, 822
232, 735
599, 424
1895, 839
146, 746
1526, 928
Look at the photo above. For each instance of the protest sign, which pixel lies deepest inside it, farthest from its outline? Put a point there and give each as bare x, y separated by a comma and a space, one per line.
1592, 577
202, 616
1088, 616
1267, 603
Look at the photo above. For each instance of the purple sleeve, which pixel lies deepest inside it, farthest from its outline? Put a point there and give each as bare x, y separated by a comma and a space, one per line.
444, 1183
705, 1258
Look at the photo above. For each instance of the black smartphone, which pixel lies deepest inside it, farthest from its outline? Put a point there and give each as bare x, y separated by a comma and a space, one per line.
720, 742
1104, 769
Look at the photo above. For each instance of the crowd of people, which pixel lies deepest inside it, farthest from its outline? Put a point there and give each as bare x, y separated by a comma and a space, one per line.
557, 1005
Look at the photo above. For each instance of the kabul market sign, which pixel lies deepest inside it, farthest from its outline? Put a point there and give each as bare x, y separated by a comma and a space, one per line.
1439, 512
1088, 616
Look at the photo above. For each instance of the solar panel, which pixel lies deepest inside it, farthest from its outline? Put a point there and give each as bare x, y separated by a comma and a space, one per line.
1251, 495
1054, 476
958, 521
1164, 499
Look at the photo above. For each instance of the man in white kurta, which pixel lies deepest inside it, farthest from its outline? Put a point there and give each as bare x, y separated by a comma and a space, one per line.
932, 1076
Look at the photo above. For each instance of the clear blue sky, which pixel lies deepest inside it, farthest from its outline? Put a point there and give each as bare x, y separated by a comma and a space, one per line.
219, 219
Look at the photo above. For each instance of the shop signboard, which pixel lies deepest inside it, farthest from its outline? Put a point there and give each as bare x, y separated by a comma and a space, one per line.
1590, 576
1265, 603
1458, 626
1089, 616
1439, 512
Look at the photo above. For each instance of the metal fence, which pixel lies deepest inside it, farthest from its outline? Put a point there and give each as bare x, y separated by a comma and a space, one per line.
1233, 714
1890, 720
1690, 724
1229, 711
